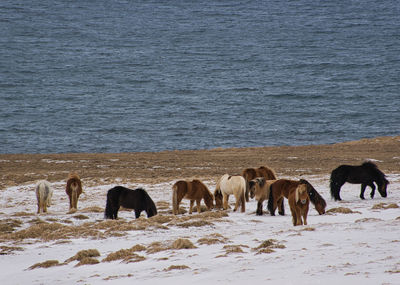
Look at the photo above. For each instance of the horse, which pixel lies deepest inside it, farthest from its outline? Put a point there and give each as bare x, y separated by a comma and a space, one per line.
260, 189
251, 173
218, 199
235, 185
73, 190
136, 199
194, 190
280, 189
44, 193
299, 202
365, 174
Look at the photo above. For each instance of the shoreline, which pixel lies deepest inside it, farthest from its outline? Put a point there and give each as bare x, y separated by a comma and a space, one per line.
164, 166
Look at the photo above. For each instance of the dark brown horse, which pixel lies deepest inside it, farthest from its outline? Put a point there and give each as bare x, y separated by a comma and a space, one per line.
365, 174
251, 173
73, 190
192, 190
281, 188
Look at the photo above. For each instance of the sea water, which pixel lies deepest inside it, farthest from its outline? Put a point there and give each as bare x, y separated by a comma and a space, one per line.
126, 76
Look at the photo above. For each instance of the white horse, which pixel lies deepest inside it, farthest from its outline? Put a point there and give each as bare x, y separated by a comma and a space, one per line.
235, 185
44, 192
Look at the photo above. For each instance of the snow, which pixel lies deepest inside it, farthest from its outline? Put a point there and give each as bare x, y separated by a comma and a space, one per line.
359, 248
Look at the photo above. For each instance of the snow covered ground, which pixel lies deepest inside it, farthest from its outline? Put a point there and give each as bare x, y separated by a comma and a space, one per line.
358, 248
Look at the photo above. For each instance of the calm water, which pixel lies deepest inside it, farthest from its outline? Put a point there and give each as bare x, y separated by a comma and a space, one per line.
122, 76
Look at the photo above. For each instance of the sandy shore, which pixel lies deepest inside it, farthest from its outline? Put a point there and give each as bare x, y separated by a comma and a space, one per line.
293, 161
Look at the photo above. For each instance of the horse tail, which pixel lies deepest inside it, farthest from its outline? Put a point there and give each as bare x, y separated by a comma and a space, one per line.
270, 205
74, 195
108, 213
175, 209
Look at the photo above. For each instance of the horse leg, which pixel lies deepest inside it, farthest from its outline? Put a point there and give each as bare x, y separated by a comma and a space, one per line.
363, 186
243, 202
237, 203
247, 192
298, 216
372, 185
191, 206
198, 205
281, 209
294, 218
225, 199
137, 213
259, 211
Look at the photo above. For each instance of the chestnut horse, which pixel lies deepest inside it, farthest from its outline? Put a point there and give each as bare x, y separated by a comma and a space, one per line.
44, 192
228, 185
299, 202
73, 190
281, 188
192, 190
260, 189
251, 173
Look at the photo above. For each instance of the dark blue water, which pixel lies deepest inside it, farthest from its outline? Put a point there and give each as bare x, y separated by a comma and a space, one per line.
124, 76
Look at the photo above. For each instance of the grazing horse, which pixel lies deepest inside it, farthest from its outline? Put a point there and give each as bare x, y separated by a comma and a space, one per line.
365, 174
44, 192
137, 200
260, 189
73, 190
280, 189
192, 190
236, 185
299, 202
251, 173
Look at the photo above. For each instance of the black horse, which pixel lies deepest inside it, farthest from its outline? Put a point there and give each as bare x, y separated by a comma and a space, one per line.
137, 199
365, 174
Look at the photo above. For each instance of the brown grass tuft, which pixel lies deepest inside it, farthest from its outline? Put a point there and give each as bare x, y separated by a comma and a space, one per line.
87, 261
233, 249
23, 214
84, 254
93, 209
6, 250
385, 206
163, 205
160, 219
177, 267
196, 223
46, 264
267, 246
213, 239
183, 244
138, 247
368, 220
157, 247
81, 217
9, 225
341, 210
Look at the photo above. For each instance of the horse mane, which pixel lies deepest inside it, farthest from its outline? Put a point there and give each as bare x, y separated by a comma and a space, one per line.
207, 194
373, 166
270, 172
315, 197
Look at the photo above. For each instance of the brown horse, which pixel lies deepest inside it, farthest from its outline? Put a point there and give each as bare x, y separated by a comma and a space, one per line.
260, 189
299, 202
281, 188
192, 190
251, 173
73, 190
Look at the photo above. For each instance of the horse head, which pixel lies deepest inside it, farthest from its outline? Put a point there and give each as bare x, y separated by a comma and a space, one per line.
301, 194
382, 187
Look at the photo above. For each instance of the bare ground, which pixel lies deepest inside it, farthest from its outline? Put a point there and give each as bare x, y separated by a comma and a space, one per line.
166, 166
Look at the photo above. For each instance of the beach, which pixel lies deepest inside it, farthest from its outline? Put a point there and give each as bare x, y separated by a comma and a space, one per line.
156, 167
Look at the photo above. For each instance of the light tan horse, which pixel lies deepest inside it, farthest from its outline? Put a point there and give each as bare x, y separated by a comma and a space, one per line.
73, 190
44, 192
260, 190
192, 190
299, 203
232, 185
251, 173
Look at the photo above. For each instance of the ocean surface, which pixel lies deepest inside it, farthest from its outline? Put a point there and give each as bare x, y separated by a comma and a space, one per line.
127, 76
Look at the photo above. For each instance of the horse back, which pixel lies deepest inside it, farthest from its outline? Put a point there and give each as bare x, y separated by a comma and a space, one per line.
269, 174
282, 187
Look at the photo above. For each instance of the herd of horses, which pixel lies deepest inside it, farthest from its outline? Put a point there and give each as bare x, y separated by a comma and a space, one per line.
260, 183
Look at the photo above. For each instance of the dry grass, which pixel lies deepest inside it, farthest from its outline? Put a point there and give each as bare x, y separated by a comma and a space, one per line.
213, 239
341, 210
197, 223
6, 250
368, 220
87, 261
93, 209
233, 249
267, 246
177, 267
183, 244
127, 255
385, 206
23, 214
163, 205
8, 226
84, 254
81, 217
46, 264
